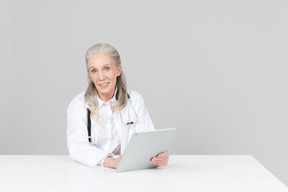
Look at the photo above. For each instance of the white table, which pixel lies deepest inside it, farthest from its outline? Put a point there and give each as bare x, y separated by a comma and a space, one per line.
231, 173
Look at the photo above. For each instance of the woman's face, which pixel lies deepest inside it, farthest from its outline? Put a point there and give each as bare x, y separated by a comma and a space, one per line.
103, 72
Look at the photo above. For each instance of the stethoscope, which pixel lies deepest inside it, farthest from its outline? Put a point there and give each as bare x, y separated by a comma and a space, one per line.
130, 121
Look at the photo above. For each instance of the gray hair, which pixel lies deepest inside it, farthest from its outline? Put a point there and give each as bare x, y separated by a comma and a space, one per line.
91, 91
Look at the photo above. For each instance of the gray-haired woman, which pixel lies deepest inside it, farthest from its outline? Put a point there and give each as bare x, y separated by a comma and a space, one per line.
110, 109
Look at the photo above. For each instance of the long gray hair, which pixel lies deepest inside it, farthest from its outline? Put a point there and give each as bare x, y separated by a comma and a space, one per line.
91, 91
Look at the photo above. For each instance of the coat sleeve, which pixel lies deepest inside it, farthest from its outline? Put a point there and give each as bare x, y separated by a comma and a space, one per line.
78, 145
145, 122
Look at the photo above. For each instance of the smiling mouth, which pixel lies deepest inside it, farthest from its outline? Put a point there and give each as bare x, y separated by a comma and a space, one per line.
104, 85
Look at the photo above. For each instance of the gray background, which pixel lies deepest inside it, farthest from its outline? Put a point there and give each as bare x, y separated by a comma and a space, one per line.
217, 70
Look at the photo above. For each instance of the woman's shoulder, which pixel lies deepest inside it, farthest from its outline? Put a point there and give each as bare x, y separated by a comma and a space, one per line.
78, 101
136, 97
80, 98
134, 94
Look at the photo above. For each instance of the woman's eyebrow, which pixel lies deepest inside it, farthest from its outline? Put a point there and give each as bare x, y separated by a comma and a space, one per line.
105, 65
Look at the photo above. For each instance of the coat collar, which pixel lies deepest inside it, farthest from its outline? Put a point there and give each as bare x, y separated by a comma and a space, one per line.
101, 102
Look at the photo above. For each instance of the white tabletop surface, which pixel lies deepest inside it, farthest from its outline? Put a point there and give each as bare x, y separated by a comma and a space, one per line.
199, 173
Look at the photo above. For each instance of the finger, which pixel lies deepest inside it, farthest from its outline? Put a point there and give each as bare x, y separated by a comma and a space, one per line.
162, 157
159, 161
163, 154
154, 159
163, 164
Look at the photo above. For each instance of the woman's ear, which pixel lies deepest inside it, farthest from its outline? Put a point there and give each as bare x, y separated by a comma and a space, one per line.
119, 70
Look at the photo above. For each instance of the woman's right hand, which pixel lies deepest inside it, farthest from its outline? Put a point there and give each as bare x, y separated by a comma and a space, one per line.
112, 162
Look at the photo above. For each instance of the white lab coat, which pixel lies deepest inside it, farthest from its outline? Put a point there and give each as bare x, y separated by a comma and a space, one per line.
77, 136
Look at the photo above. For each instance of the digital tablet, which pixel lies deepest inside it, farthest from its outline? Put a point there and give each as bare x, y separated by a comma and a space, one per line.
143, 146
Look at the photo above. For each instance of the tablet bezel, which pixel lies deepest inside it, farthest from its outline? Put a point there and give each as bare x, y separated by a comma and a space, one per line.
143, 146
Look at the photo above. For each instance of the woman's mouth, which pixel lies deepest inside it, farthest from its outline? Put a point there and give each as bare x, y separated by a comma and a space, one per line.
104, 85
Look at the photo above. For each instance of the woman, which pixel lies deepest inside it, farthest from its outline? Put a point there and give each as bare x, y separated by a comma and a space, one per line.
115, 113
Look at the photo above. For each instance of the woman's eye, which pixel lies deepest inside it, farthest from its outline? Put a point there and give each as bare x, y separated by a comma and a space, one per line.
93, 71
107, 68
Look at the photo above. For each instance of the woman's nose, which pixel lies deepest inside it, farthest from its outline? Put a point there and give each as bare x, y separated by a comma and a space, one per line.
101, 76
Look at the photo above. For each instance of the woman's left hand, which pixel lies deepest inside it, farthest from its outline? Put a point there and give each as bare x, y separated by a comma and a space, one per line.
161, 159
